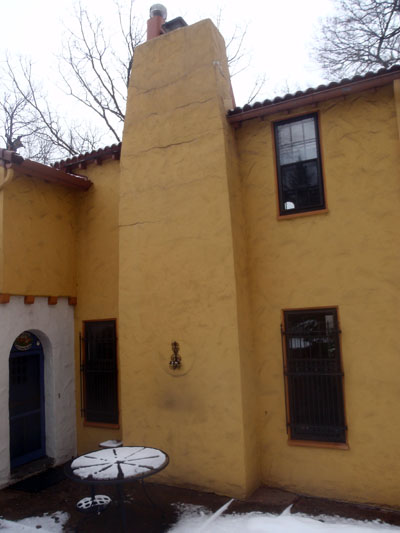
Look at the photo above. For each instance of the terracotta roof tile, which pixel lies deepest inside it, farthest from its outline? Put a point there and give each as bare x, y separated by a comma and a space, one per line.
251, 111
96, 156
10, 159
248, 111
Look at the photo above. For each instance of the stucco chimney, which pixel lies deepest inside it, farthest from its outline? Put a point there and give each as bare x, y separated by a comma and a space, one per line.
181, 266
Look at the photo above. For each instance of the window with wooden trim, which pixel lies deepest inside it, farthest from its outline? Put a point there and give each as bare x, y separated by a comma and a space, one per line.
99, 384
313, 376
299, 169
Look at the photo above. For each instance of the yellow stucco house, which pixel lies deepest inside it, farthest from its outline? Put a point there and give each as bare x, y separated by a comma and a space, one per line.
263, 240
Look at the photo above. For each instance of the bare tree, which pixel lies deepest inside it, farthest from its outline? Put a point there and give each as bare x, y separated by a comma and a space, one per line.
19, 125
98, 71
95, 73
28, 122
98, 66
364, 35
95, 68
16, 122
239, 58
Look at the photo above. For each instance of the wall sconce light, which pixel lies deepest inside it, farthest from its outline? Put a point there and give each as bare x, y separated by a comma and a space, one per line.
175, 361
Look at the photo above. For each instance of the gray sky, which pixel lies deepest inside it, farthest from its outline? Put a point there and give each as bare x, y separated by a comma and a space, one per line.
279, 35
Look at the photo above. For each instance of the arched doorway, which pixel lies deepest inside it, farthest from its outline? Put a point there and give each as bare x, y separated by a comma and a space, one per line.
26, 400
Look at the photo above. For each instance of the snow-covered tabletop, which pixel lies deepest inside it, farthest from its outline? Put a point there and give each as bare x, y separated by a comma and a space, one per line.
117, 464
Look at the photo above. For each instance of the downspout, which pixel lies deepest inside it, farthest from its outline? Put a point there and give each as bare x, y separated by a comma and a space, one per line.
7, 159
8, 175
396, 92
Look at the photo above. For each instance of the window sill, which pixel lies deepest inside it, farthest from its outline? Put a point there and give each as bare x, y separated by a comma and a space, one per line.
305, 214
100, 425
317, 444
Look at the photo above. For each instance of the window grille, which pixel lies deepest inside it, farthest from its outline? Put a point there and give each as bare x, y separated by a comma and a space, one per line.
313, 376
99, 379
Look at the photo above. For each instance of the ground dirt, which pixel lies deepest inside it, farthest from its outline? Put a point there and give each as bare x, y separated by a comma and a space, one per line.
146, 517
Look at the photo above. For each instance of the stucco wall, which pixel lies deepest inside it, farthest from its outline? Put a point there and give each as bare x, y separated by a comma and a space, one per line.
177, 265
2, 177
180, 241
97, 273
39, 238
248, 362
53, 325
348, 257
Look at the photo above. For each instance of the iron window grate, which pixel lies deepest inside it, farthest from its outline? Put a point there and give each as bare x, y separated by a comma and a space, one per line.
313, 376
99, 376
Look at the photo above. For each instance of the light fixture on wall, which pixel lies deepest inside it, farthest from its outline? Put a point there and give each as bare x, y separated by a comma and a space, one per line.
176, 361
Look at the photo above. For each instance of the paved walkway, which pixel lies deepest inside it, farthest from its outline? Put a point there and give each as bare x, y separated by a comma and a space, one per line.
143, 517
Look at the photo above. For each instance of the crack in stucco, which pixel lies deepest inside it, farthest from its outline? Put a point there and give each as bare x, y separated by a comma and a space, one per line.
142, 90
189, 104
179, 143
167, 146
196, 102
139, 223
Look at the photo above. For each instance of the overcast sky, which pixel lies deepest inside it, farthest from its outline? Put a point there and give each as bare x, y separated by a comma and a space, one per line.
278, 40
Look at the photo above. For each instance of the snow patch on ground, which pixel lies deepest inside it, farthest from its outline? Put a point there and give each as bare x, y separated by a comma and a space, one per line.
193, 519
53, 523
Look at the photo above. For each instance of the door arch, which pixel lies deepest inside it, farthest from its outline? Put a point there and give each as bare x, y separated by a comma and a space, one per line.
26, 400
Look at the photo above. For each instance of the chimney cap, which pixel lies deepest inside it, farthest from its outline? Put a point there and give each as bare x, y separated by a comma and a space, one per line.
173, 24
158, 10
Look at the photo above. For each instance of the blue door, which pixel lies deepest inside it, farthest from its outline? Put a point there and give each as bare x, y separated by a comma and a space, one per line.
26, 400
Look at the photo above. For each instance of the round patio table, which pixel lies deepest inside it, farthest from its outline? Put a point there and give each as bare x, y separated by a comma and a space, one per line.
116, 466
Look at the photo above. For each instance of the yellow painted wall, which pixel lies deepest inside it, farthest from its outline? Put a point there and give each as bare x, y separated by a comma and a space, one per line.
248, 362
180, 241
97, 273
348, 257
178, 267
62, 242
3, 176
39, 224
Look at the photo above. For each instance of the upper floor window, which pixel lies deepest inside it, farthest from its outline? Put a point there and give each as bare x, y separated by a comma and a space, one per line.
300, 183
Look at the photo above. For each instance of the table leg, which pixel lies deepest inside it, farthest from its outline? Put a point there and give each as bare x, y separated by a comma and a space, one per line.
147, 494
121, 503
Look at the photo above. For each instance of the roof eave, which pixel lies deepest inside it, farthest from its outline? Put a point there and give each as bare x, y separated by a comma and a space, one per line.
96, 157
38, 170
315, 97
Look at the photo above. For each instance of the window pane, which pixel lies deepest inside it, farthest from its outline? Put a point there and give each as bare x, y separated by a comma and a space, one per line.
309, 129
297, 141
300, 185
284, 135
299, 166
297, 132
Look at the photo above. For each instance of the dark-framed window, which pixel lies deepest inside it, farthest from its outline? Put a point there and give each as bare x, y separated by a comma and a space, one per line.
313, 375
99, 384
299, 169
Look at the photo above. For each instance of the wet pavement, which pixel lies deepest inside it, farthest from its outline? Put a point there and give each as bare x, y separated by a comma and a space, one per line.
161, 511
